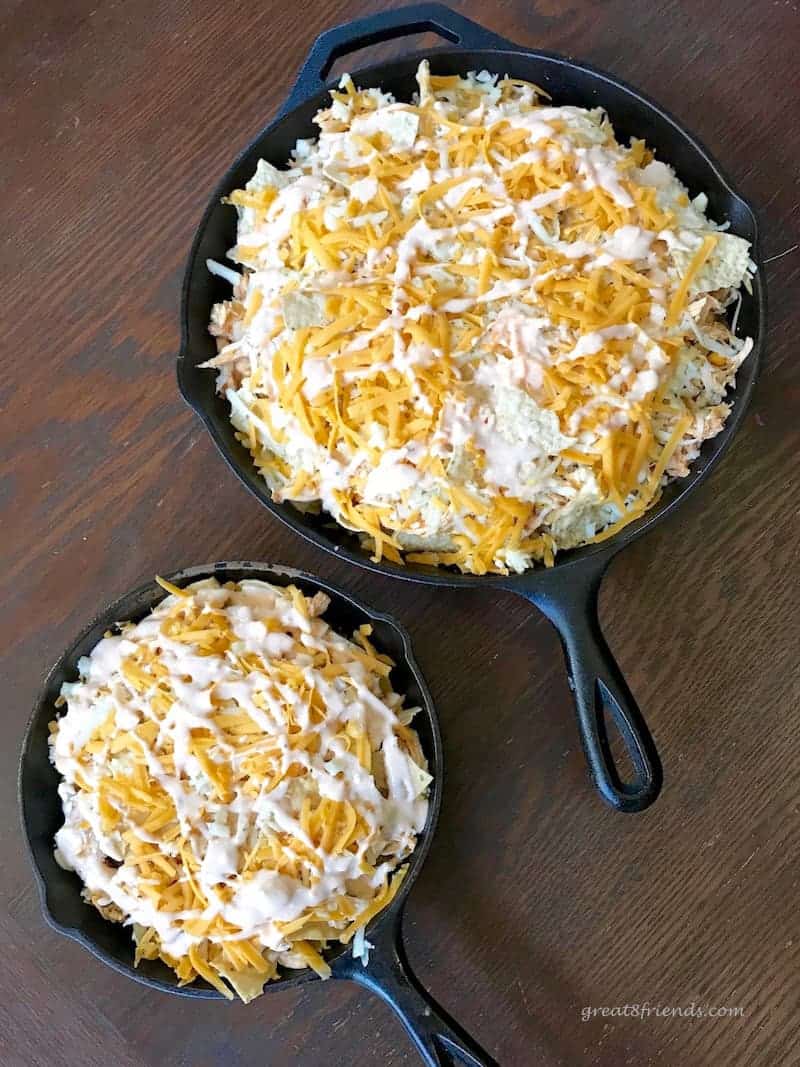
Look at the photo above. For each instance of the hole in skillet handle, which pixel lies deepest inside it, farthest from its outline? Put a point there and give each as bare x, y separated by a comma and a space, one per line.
385, 26
568, 598
438, 1038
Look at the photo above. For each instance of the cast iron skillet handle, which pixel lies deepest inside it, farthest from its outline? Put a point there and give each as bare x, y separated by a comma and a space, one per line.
439, 1040
385, 26
570, 602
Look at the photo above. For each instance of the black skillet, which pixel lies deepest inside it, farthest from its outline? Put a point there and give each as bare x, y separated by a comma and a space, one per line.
438, 1038
567, 593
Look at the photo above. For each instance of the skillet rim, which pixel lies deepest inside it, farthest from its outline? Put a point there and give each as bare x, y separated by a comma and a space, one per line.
568, 561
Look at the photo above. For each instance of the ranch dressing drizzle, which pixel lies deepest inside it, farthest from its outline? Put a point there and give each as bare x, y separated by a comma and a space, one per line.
266, 627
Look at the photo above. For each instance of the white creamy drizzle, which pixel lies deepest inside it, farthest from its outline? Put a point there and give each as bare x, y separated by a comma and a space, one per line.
420, 238
525, 336
392, 476
617, 418
591, 343
629, 243
598, 167
290, 200
200, 683
549, 197
534, 123
318, 375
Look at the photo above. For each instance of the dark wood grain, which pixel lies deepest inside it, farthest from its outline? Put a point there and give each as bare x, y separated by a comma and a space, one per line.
537, 901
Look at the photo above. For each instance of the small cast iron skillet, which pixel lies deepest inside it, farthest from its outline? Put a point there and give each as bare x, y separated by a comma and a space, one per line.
438, 1038
566, 593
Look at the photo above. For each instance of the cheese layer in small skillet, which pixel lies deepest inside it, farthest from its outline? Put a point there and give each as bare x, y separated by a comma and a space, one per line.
241, 784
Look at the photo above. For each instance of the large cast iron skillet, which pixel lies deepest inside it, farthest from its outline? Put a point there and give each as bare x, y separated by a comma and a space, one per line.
567, 593
438, 1038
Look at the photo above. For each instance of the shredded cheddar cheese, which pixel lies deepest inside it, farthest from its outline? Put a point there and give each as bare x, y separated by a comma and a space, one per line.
469, 325
240, 783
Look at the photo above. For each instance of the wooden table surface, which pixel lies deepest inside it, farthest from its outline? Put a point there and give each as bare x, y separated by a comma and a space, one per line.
536, 901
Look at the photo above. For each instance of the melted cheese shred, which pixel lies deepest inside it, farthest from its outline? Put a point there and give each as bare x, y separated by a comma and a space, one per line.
240, 783
464, 323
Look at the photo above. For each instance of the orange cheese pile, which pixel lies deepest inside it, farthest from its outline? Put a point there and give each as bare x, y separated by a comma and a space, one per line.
459, 323
240, 783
